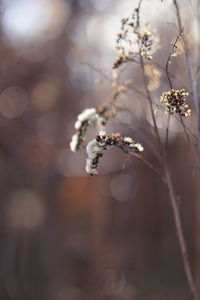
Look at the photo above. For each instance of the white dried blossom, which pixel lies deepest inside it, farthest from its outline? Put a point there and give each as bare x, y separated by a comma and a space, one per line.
102, 133
137, 146
128, 140
78, 125
87, 114
74, 143
132, 144
93, 148
94, 151
88, 117
89, 168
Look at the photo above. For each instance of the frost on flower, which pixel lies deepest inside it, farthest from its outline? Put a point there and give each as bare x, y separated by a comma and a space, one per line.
97, 146
88, 117
94, 151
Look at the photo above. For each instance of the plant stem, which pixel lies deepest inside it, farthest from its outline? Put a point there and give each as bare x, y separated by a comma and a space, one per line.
149, 100
190, 71
184, 128
148, 164
179, 232
172, 197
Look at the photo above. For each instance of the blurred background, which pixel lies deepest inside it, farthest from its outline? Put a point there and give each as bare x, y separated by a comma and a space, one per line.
64, 235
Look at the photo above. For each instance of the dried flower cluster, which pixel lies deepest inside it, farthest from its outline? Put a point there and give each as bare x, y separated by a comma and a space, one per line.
96, 117
175, 102
97, 146
88, 117
146, 41
133, 40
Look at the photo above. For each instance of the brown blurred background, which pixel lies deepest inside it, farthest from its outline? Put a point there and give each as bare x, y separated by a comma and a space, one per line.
64, 235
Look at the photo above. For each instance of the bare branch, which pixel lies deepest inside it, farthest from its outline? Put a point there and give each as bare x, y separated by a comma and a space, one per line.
180, 234
190, 70
170, 56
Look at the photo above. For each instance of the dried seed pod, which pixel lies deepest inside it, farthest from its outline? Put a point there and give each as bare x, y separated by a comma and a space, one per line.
175, 102
134, 40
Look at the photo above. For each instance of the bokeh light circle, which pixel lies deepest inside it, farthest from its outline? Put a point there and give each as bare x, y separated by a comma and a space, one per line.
25, 210
13, 102
122, 187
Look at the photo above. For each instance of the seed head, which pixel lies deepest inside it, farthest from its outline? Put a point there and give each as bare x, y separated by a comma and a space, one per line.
175, 102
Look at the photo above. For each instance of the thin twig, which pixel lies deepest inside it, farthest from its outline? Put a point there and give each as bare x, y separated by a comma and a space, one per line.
149, 100
170, 56
148, 164
190, 71
144, 77
184, 128
177, 219
193, 149
163, 69
167, 129
98, 70
180, 234
196, 73
170, 83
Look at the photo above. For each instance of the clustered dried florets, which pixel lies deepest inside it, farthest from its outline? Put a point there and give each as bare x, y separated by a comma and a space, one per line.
175, 102
97, 146
88, 117
146, 40
96, 117
132, 40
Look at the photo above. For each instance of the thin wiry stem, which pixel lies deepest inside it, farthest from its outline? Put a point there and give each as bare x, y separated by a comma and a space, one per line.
196, 73
176, 214
169, 79
180, 234
144, 77
189, 142
163, 69
190, 70
138, 13
149, 100
167, 129
148, 164
170, 84
173, 76
184, 128
170, 56
193, 85
98, 70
